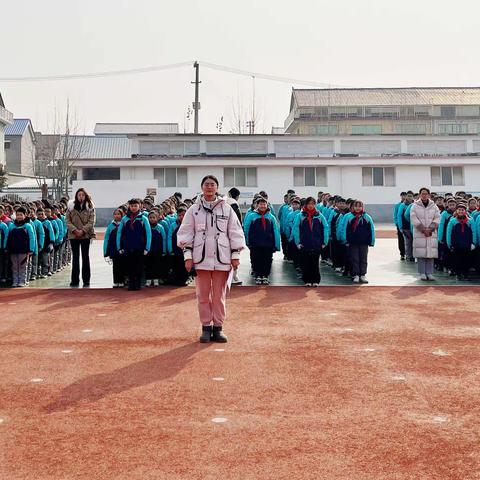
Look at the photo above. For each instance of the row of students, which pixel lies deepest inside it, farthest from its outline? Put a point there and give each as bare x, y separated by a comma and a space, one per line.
33, 241
141, 243
336, 230
457, 234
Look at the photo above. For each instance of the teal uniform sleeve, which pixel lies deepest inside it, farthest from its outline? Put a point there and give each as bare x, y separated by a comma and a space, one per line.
441, 225
171, 229
32, 238
473, 226
148, 234
400, 212
106, 238
41, 234
296, 229
326, 230
451, 223
119, 234
276, 232
163, 233
477, 228
247, 222
395, 214
4, 231
372, 226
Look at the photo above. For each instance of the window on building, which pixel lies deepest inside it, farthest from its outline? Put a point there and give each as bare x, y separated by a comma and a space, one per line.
452, 128
310, 176
467, 111
382, 112
240, 177
422, 111
447, 176
338, 112
171, 177
7, 145
447, 111
101, 173
378, 176
366, 129
411, 128
324, 130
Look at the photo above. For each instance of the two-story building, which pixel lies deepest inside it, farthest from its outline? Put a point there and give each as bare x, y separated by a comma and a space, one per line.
20, 147
374, 168
6, 118
384, 111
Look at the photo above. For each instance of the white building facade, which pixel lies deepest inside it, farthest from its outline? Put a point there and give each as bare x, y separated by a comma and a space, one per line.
6, 118
374, 169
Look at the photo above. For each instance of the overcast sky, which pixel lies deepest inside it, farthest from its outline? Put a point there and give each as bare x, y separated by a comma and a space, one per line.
364, 43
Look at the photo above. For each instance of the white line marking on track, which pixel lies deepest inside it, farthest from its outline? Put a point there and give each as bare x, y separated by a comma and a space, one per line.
1, 420
369, 349
67, 351
218, 379
440, 353
440, 419
399, 378
102, 314
87, 330
36, 380
219, 420
218, 349
12, 303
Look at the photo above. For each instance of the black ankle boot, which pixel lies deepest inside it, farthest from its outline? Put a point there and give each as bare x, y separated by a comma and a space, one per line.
206, 334
218, 335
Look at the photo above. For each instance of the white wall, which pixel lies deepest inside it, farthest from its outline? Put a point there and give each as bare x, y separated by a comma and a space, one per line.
275, 180
2, 144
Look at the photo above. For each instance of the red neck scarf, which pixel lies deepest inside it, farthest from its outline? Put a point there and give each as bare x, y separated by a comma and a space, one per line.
264, 220
357, 219
463, 221
310, 214
131, 217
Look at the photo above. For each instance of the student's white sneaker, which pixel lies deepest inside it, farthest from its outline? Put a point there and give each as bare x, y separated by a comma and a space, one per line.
156, 283
308, 284
356, 279
431, 278
363, 279
265, 281
115, 285
258, 281
338, 270
315, 285
423, 277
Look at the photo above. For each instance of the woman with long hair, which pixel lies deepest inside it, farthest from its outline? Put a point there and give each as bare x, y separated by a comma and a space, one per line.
81, 230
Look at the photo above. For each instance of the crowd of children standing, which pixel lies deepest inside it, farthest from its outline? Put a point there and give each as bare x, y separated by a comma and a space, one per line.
33, 241
455, 233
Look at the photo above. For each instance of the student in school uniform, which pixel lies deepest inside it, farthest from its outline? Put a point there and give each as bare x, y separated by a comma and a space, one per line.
338, 249
400, 238
39, 239
293, 253
358, 233
262, 235
180, 275
48, 243
403, 222
154, 260
282, 213
444, 255
110, 249
134, 237
311, 233
3, 254
462, 241
20, 245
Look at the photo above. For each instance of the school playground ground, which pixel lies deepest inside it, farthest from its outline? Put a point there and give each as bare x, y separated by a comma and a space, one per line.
340, 382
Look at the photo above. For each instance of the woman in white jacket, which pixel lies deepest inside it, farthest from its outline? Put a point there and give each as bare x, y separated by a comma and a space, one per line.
425, 218
212, 238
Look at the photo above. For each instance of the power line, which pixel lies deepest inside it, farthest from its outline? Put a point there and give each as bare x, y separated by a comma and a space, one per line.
112, 73
155, 68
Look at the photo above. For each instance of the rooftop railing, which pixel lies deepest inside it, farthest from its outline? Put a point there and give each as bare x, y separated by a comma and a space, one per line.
5, 116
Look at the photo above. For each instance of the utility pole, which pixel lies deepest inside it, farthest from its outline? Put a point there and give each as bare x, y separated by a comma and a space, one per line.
196, 103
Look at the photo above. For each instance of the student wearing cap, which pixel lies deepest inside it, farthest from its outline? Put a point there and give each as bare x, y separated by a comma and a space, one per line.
310, 233
461, 240
262, 235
